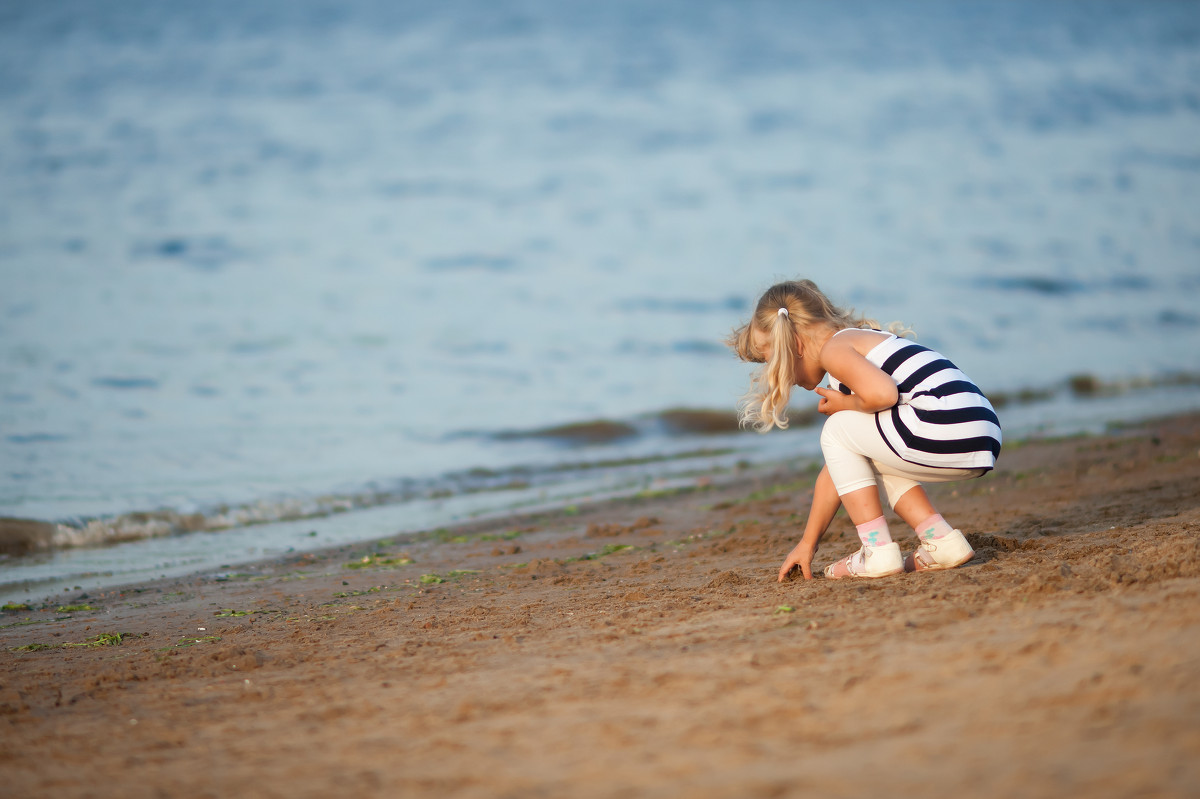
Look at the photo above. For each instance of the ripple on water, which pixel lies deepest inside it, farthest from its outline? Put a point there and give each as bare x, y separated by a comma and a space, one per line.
35, 438
1034, 284
125, 383
1169, 317
207, 254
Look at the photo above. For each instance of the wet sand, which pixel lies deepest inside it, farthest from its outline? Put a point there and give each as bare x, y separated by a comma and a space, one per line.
643, 648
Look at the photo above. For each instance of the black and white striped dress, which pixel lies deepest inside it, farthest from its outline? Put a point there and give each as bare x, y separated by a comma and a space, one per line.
942, 419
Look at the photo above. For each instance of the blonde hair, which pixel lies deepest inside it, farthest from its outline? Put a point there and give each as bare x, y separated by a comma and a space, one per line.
765, 405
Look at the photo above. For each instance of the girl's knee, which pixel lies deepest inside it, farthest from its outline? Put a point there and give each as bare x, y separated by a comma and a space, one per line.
833, 433
897, 488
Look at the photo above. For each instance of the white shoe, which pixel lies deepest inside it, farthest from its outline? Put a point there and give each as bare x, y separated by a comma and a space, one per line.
946, 552
880, 561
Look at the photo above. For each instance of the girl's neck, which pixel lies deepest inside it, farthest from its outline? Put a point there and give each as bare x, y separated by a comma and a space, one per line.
820, 335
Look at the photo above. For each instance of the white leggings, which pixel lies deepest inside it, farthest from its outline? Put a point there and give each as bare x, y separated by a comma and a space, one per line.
857, 456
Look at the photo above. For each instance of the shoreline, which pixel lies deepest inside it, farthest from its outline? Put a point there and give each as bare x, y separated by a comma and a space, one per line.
31, 569
642, 645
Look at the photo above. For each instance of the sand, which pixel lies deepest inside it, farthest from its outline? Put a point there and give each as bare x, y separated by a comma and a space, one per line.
644, 648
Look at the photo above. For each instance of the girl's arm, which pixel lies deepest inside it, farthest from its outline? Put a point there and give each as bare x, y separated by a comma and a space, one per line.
825, 504
874, 389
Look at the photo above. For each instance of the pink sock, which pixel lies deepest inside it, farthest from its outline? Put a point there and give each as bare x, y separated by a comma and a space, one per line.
875, 533
934, 527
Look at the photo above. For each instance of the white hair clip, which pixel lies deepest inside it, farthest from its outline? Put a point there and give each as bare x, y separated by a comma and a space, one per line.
783, 312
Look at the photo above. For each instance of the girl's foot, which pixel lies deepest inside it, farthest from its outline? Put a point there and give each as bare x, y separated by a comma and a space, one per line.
946, 552
880, 561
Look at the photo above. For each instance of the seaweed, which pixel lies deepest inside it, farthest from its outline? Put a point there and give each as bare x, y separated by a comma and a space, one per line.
103, 639
33, 647
447, 536
380, 559
373, 590
189, 641
605, 551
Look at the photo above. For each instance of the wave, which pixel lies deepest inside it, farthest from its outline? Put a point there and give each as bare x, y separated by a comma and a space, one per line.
594, 440
21, 537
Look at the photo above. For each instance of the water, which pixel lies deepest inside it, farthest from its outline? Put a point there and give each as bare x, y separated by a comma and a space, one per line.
274, 261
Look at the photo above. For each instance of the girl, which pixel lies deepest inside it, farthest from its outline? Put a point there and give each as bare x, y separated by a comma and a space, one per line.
899, 414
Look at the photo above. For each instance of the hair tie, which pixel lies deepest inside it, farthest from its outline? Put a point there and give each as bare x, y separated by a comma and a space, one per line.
783, 312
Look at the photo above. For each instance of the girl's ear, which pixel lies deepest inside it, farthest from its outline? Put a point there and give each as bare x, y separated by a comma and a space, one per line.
799, 346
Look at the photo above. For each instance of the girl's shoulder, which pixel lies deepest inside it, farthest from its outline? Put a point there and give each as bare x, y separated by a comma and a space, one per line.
862, 339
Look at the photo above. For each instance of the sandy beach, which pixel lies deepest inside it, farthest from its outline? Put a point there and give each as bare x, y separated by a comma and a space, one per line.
643, 648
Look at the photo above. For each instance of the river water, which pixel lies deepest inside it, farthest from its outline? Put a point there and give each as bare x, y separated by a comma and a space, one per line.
284, 268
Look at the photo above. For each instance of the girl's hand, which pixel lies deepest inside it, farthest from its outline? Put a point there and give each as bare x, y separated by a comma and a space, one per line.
833, 401
802, 556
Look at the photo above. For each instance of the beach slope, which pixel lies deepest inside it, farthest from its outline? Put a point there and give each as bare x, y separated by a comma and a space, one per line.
643, 647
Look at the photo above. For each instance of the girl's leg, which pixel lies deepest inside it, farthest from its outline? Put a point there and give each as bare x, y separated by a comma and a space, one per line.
863, 508
857, 456
941, 546
914, 507
863, 505
847, 441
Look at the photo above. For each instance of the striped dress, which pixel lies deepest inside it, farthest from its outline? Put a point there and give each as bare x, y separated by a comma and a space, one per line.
942, 419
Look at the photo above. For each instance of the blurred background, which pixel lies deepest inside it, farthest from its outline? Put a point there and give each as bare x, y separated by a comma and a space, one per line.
275, 260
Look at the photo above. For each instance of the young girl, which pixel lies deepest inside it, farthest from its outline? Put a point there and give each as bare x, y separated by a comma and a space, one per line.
899, 415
